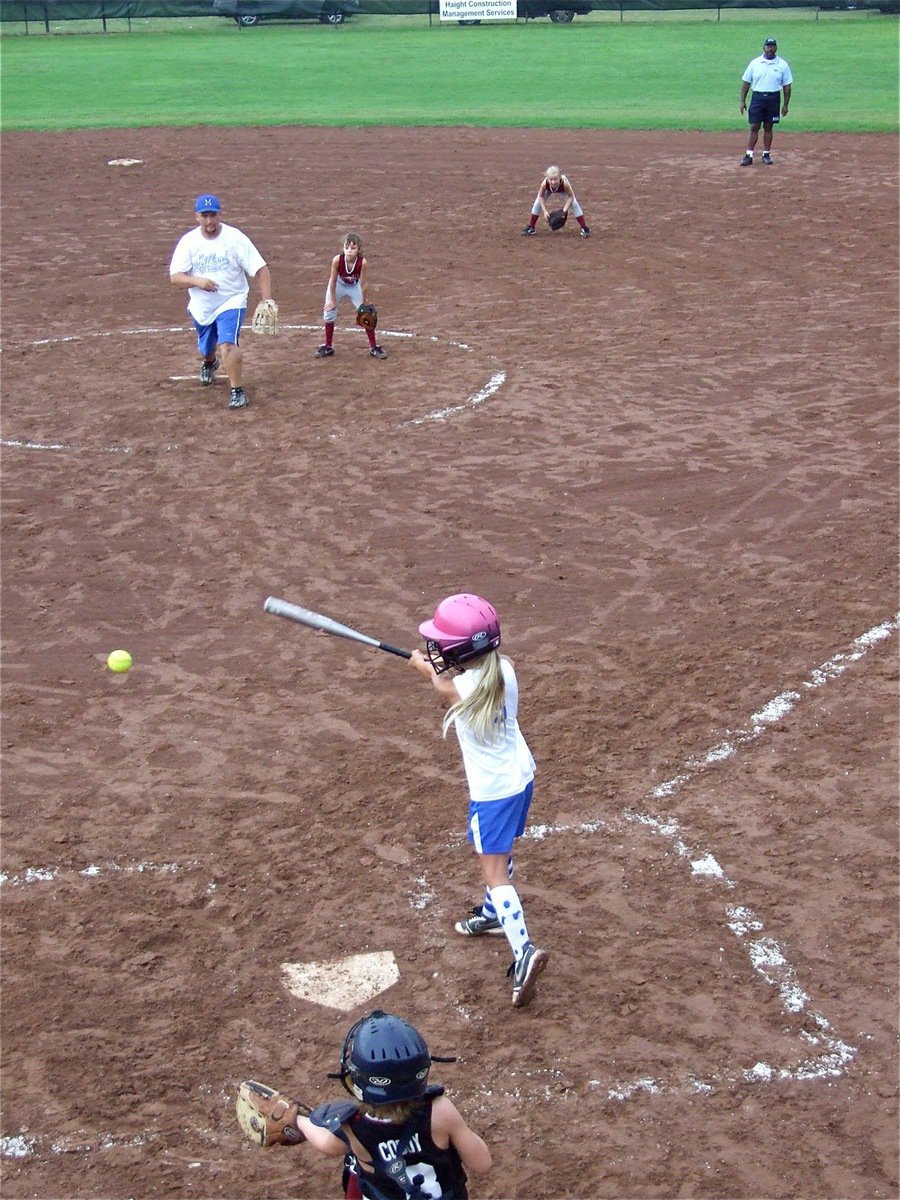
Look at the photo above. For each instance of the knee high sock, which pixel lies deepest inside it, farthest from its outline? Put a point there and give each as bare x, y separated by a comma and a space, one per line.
329, 332
509, 909
488, 906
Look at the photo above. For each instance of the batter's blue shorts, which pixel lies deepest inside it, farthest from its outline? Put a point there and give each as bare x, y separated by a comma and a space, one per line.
495, 824
225, 328
765, 108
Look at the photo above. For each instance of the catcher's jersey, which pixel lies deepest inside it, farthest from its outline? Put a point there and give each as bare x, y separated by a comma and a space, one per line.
227, 259
347, 276
442, 1173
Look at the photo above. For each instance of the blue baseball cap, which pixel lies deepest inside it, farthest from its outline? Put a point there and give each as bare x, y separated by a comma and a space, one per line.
207, 204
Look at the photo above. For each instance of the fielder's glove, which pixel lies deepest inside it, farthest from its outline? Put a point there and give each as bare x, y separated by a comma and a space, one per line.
367, 316
557, 218
267, 1117
265, 318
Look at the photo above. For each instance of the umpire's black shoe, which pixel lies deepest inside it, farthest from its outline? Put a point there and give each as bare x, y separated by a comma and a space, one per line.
325, 352
238, 398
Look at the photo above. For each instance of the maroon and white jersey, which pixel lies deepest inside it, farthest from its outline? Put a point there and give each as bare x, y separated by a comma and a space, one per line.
346, 275
558, 187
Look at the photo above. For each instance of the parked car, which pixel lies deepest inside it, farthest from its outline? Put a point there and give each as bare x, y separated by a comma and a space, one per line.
252, 12
560, 12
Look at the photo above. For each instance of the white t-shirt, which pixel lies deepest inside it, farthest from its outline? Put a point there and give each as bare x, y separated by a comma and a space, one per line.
495, 770
227, 258
767, 74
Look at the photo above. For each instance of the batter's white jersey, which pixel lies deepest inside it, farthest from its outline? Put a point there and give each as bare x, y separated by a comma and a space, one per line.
228, 259
495, 770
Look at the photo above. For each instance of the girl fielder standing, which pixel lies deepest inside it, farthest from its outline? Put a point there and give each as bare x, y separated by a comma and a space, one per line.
482, 698
347, 278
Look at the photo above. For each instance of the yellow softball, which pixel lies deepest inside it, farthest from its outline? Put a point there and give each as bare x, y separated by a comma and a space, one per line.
119, 661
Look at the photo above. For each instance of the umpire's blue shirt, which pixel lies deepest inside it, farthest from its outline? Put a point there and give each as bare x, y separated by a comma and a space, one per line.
767, 74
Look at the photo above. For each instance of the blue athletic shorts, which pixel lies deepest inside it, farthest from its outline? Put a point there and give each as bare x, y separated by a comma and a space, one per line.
765, 108
225, 328
495, 824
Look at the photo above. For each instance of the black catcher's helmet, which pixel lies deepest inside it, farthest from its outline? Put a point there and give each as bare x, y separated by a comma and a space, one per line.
384, 1060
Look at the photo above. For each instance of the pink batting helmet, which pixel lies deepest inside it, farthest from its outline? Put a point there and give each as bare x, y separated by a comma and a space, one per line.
464, 627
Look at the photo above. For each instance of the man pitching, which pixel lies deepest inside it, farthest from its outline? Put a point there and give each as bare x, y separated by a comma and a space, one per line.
214, 262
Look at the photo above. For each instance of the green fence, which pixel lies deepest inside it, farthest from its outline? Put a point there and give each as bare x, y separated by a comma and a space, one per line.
42, 13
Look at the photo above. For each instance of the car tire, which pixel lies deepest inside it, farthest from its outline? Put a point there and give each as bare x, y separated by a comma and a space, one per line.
331, 16
247, 21
561, 16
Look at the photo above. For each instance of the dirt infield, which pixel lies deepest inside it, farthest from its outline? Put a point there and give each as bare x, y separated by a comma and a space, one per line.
668, 454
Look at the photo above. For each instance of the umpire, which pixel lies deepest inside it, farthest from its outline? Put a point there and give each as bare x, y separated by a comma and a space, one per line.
766, 75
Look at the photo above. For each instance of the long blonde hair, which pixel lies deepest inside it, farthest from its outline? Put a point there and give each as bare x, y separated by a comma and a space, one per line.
483, 712
397, 1114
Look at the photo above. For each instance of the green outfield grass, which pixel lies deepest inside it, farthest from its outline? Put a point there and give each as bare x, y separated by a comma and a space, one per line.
597, 72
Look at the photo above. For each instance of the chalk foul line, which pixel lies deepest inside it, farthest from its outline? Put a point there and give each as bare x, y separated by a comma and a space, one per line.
828, 1055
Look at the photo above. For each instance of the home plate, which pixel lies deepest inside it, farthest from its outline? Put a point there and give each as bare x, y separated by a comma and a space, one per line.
343, 983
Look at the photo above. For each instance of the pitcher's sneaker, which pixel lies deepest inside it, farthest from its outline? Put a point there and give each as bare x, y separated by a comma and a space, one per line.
528, 231
478, 924
525, 974
238, 398
377, 352
747, 160
585, 231
325, 352
208, 371
767, 158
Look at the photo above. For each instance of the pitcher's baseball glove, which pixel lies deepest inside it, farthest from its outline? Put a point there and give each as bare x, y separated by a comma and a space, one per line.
557, 218
265, 318
267, 1117
367, 316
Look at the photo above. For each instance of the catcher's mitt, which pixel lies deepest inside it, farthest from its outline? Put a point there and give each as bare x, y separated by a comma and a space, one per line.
367, 316
265, 318
557, 218
267, 1117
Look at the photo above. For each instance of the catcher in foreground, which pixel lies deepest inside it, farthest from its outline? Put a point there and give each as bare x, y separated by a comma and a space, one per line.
349, 278
400, 1138
556, 189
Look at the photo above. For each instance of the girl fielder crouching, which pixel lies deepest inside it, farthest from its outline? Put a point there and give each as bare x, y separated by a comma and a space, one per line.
556, 189
482, 696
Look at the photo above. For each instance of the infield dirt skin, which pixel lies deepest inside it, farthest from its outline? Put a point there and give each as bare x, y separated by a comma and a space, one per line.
667, 453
